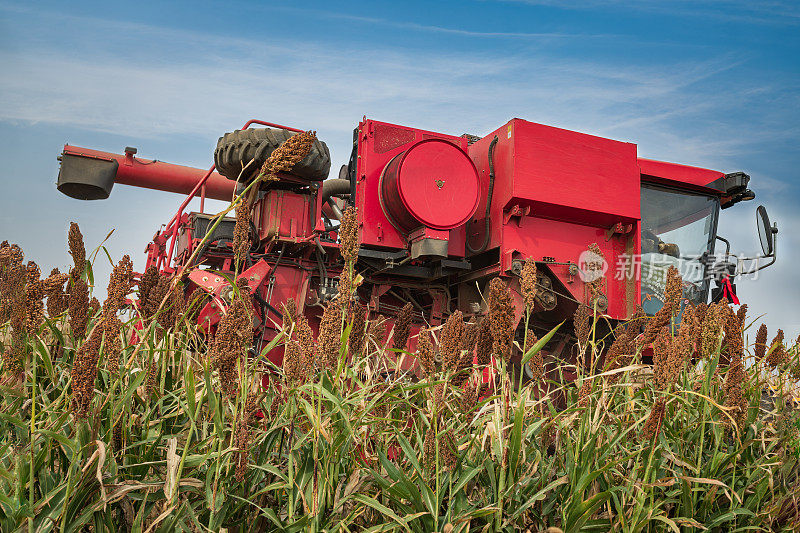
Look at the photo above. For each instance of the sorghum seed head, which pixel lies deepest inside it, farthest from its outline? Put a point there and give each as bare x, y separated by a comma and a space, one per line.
680, 350
470, 336
620, 353
233, 339
146, 284
78, 304
673, 290
349, 238
425, 354
713, 323
155, 296
376, 329
119, 284
94, 306
652, 426
741, 314
289, 313
734, 343
57, 301
84, 372
451, 340
402, 326
778, 355
288, 154
293, 364
76, 248
595, 267
584, 393
34, 292
241, 231
484, 343
672, 297
469, 397
358, 330
582, 323
760, 348
636, 322
528, 283
330, 335
700, 311
501, 317
732, 388
661, 347
536, 363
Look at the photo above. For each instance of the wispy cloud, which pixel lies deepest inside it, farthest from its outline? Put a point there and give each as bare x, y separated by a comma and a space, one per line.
779, 13
403, 25
213, 83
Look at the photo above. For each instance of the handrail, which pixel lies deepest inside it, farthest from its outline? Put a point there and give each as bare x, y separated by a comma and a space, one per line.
174, 223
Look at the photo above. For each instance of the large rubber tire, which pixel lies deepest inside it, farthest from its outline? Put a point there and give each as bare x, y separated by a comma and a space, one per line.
236, 149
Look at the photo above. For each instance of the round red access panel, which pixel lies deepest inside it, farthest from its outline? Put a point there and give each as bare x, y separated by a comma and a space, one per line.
433, 183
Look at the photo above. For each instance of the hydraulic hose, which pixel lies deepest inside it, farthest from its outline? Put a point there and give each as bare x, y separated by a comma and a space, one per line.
487, 223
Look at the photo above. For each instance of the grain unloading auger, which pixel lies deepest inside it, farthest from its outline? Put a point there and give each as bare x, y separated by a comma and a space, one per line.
439, 216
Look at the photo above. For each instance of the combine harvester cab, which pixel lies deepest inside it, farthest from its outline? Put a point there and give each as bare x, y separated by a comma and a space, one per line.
439, 217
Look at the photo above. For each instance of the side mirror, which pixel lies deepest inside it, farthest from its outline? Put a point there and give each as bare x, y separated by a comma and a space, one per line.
766, 233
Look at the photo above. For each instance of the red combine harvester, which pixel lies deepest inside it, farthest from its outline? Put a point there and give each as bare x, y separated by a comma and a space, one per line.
440, 216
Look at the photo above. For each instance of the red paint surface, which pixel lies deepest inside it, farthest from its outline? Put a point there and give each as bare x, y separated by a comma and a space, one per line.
678, 173
433, 183
158, 175
378, 143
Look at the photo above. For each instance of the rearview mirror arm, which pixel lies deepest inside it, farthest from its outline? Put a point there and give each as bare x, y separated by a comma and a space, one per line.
773, 255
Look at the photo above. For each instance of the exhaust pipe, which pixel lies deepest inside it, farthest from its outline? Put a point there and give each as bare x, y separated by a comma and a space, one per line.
88, 174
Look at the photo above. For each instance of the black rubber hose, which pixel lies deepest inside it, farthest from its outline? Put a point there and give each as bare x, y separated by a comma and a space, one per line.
487, 224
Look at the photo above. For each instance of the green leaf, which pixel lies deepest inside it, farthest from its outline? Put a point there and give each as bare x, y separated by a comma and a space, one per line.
375, 504
539, 345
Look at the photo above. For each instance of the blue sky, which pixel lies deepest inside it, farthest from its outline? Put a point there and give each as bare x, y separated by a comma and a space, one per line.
713, 84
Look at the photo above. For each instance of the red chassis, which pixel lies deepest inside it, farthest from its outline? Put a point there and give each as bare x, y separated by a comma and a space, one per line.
440, 215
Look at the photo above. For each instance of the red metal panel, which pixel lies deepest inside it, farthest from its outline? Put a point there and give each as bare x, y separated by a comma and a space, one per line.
378, 143
555, 193
567, 175
283, 215
679, 173
558, 174
564, 242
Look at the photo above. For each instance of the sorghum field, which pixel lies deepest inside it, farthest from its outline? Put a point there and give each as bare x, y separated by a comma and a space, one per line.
120, 417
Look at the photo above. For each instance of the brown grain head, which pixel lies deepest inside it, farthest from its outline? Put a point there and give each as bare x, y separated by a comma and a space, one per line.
330, 335
77, 248
760, 347
536, 363
451, 340
289, 313
34, 292
652, 427
528, 283
78, 304
288, 154
84, 372
501, 318
777, 355
349, 236
425, 352
402, 326
358, 330
484, 344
